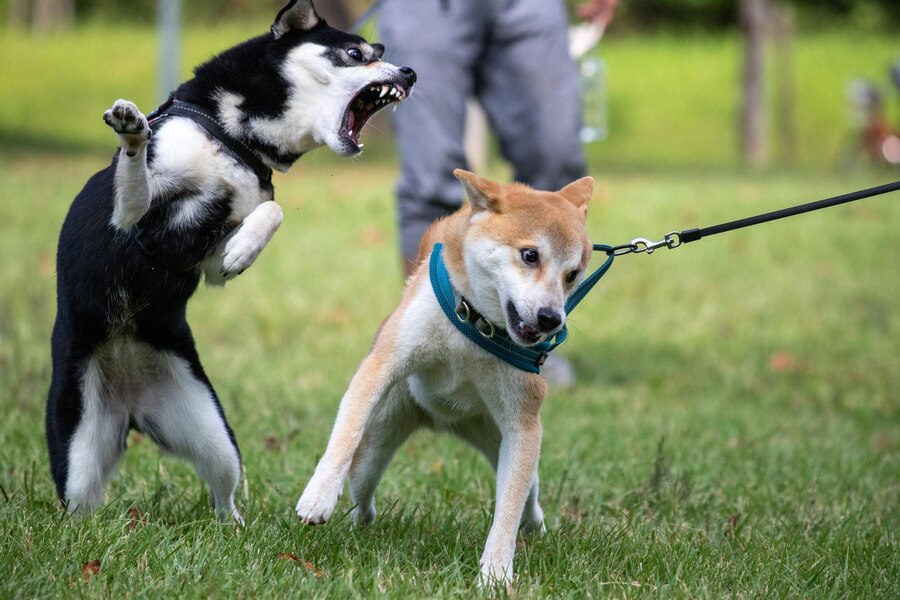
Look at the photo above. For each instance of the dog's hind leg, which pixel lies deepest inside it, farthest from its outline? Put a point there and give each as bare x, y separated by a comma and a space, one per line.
181, 413
391, 424
132, 180
94, 446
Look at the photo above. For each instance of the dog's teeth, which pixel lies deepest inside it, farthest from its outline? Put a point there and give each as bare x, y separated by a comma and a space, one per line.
384, 90
350, 133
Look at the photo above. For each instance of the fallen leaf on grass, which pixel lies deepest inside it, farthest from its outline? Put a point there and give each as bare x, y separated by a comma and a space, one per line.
732, 525
309, 566
45, 265
338, 316
272, 443
89, 569
782, 362
372, 236
136, 518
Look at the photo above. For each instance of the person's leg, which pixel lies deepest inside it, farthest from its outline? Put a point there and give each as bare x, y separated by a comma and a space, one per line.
529, 88
530, 91
442, 42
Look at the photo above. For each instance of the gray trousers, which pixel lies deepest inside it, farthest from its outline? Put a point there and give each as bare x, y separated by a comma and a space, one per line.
512, 56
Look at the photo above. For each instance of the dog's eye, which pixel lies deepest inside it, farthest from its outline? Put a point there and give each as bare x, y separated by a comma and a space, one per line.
530, 256
572, 276
355, 54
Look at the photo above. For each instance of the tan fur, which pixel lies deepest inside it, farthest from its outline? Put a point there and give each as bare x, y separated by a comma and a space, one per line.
422, 372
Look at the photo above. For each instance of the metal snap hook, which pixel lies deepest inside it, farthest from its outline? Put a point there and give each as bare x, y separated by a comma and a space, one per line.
671, 240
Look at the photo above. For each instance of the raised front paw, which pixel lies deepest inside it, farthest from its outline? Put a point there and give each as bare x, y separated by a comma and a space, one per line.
317, 503
131, 125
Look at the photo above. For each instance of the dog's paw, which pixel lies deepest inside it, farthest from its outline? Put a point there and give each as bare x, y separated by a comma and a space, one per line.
497, 579
130, 124
363, 515
533, 521
240, 252
317, 503
235, 517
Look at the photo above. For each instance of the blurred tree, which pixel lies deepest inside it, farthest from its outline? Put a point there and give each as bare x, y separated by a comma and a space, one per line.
52, 14
696, 13
335, 12
642, 14
785, 83
724, 14
18, 13
754, 23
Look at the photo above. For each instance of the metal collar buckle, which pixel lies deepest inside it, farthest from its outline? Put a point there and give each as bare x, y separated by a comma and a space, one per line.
463, 312
467, 314
485, 328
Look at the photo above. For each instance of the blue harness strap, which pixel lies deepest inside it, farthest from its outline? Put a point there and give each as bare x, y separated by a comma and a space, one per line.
498, 342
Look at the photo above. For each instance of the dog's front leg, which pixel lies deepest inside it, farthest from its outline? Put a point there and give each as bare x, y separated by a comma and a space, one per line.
245, 244
520, 449
372, 381
132, 182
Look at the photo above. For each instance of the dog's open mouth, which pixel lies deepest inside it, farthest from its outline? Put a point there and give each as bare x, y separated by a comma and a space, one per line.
366, 103
523, 332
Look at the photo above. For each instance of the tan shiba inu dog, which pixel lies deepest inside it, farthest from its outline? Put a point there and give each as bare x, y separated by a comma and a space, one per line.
515, 254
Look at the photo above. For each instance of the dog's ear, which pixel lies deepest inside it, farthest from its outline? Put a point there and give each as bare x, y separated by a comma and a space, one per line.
579, 193
483, 194
297, 15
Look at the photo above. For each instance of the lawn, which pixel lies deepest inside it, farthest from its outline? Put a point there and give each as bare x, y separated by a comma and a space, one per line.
735, 429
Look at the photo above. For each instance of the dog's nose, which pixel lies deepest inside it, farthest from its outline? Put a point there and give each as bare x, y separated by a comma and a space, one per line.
409, 74
548, 319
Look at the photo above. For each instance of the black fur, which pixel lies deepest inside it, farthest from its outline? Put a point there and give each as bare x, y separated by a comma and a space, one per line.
96, 261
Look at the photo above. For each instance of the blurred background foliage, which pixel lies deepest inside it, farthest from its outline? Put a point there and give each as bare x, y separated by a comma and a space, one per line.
631, 15
692, 53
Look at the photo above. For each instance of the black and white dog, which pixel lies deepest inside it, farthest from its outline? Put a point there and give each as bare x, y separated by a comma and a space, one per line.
194, 201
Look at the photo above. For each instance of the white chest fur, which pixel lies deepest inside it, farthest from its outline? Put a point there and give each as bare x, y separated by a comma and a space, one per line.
450, 378
185, 158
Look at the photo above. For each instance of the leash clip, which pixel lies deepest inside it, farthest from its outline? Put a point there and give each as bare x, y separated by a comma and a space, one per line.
671, 240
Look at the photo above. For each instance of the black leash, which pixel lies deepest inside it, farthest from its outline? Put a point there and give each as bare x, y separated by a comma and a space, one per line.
674, 239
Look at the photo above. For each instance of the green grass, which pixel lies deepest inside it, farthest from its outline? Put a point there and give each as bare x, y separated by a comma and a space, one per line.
734, 431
